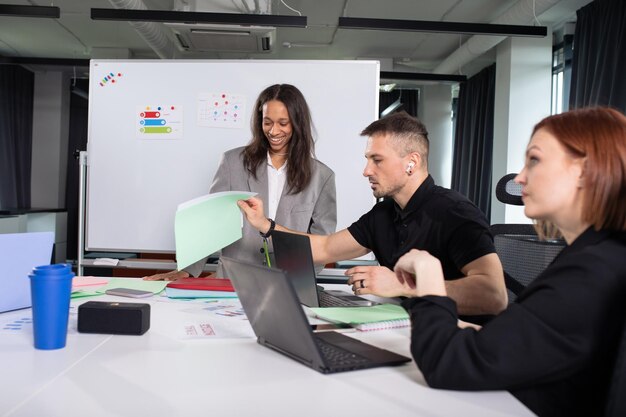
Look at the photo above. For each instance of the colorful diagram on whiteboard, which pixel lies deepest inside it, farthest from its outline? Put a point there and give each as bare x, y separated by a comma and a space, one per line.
160, 122
222, 110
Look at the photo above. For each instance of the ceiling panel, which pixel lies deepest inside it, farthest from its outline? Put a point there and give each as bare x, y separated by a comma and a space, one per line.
75, 35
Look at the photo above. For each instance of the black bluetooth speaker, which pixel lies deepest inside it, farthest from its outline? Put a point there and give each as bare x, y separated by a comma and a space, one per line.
112, 317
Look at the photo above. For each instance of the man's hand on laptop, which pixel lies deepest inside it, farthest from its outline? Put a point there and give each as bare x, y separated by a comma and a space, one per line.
377, 280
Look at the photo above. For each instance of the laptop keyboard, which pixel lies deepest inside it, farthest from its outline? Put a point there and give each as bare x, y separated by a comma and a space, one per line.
338, 357
327, 300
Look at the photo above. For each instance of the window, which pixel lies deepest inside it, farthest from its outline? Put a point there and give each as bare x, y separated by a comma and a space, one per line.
561, 74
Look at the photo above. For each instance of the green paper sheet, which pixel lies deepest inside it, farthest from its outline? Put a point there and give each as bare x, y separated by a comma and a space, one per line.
83, 293
207, 224
361, 315
135, 284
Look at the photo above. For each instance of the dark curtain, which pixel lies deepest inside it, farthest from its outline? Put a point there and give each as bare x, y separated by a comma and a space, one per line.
16, 135
599, 62
473, 139
77, 142
408, 98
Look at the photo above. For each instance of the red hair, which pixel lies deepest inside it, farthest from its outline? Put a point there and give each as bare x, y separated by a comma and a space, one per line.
597, 134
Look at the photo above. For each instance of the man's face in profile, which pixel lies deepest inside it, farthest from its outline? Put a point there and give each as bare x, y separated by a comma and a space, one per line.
385, 168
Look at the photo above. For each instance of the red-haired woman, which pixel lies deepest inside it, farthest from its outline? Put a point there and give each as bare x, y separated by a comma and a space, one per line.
554, 348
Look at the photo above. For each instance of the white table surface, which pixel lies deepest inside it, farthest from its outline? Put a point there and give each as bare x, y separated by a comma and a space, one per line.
163, 374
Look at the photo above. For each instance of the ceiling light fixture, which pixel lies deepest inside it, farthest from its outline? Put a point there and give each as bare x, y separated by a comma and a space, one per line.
45, 61
422, 76
131, 15
17, 10
441, 27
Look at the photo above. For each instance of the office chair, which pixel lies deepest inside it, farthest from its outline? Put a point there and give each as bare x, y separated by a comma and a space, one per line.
616, 399
508, 191
523, 257
522, 254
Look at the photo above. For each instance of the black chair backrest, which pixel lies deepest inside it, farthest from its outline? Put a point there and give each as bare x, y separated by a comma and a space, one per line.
522, 254
513, 229
524, 257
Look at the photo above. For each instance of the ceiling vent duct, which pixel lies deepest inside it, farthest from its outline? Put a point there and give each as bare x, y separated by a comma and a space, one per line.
198, 37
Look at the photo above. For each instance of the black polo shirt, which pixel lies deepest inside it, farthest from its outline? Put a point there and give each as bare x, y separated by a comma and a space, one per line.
436, 219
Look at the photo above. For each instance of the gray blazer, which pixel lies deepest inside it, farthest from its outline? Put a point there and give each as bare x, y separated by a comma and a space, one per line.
314, 210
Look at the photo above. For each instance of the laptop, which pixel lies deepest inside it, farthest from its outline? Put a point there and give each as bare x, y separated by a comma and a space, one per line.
19, 254
292, 253
279, 322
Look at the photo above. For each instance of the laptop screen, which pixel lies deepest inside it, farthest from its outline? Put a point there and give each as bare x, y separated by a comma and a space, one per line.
279, 322
293, 254
272, 308
19, 254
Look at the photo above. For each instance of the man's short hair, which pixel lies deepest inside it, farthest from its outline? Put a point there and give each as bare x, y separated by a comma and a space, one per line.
406, 132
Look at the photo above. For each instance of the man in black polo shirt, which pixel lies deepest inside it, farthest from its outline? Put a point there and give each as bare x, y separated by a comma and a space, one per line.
416, 213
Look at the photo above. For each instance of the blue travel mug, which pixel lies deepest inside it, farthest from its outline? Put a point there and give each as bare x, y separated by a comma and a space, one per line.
50, 290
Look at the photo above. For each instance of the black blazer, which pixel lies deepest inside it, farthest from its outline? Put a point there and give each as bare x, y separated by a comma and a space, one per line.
554, 348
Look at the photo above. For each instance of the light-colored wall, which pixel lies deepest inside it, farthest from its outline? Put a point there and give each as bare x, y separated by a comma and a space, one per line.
10, 224
50, 139
49, 157
522, 98
435, 111
40, 222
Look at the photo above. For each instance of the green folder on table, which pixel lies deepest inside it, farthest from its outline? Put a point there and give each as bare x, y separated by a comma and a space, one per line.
378, 317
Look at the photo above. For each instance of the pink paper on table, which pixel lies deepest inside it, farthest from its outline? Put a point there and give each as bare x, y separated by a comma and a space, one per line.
88, 281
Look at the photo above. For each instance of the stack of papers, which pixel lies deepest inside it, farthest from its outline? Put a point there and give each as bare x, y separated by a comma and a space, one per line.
200, 288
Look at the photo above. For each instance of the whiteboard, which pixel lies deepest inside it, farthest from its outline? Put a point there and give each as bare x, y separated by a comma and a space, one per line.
157, 130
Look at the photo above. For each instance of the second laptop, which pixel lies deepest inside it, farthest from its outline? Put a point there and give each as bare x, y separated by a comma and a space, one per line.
293, 255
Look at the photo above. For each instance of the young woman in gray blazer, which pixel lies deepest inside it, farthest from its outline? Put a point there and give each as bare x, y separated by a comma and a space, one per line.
279, 164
